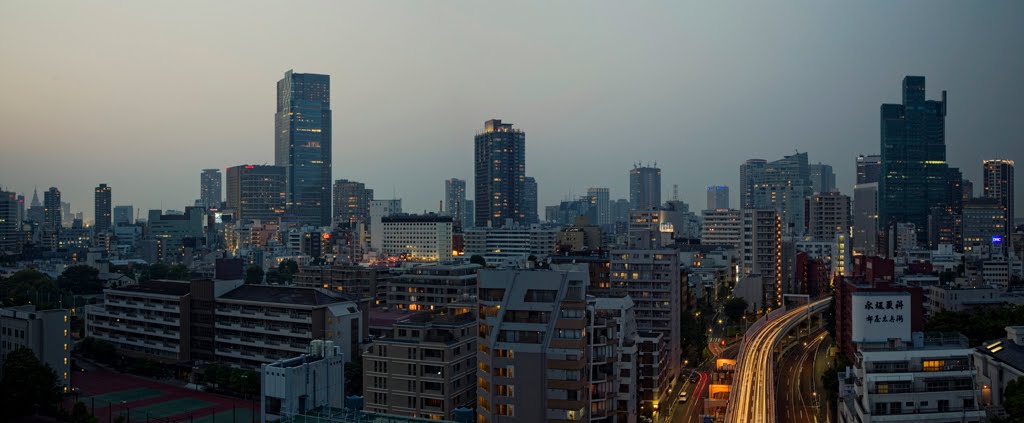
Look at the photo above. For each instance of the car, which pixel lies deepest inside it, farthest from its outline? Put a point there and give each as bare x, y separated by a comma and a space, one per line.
694, 378
682, 396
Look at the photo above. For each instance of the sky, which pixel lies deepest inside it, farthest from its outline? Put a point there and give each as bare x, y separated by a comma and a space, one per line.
144, 95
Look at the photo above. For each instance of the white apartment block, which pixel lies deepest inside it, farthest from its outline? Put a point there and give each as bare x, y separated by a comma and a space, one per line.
722, 227
44, 332
425, 238
499, 245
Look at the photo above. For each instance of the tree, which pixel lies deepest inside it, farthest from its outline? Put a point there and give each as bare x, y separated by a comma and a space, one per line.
80, 280
288, 267
29, 286
98, 350
354, 377
1013, 401
80, 414
29, 387
154, 272
178, 272
478, 259
254, 275
735, 308
978, 325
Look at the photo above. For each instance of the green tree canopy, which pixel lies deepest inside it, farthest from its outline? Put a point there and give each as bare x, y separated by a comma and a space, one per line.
80, 280
254, 275
978, 325
735, 308
478, 259
28, 387
178, 272
29, 286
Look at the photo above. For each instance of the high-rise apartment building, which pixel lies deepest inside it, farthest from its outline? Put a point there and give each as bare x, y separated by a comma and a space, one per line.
432, 287
530, 201
51, 217
998, 175
718, 197
418, 237
532, 354
600, 201
302, 145
652, 277
747, 171
351, 202
865, 219
827, 213
762, 252
869, 169
256, 192
210, 188
644, 188
823, 179
722, 227
913, 145
380, 209
102, 208
499, 174
984, 219
782, 185
455, 200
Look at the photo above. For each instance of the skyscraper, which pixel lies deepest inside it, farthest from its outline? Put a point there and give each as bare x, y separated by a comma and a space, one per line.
256, 192
210, 188
869, 168
600, 200
827, 214
913, 145
102, 209
747, 170
124, 214
644, 188
762, 252
302, 145
823, 179
718, 197
9, 224
455, 199
781, 185
499, 174
351, 202
865, 219
530, 201
998, 175
51, 217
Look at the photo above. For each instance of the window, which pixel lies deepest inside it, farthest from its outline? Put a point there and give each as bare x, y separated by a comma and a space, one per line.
505, 410
933, 365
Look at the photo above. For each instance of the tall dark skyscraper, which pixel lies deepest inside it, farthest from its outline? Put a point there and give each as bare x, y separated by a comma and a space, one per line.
644, 188
998, 175
530, 201
455, 200
302, 145
914, 169
499, 174
51, 217
352, 202
747, 171
869, 168
823, 179
210, 188
102, 209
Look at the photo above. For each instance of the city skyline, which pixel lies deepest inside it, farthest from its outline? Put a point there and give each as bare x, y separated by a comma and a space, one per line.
618, 111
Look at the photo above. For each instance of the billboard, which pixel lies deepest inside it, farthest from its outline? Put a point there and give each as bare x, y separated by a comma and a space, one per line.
880, 316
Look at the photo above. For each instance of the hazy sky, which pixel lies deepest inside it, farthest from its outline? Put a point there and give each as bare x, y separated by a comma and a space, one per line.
143, 95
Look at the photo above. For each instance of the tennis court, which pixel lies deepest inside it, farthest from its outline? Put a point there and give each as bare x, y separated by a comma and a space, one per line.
172, 407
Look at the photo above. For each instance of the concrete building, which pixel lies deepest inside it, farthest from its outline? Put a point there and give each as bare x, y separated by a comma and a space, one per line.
498, 245
299, 384
499, 174
380, 209
124, 215
984, 219
998, 362
869, 169
425, 367
762, 252
865, 219
644, 188
213, 320
532, 354
781, 186
653, 278
425, 237
351, 202
718, 197
928, 379
432, 287
613, 359
939, 298
529, 201
102, 204
363, 282
827, 214
580, 236
256, 192
52, 213
44, 332
210, 191
171, 230
722, 227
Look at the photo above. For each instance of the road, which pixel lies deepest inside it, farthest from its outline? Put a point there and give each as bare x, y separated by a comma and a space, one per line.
753, 391
689, 412
799, 389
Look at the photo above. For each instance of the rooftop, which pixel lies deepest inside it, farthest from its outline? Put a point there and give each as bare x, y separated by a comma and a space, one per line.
161, 287
285, 295
1005, 350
